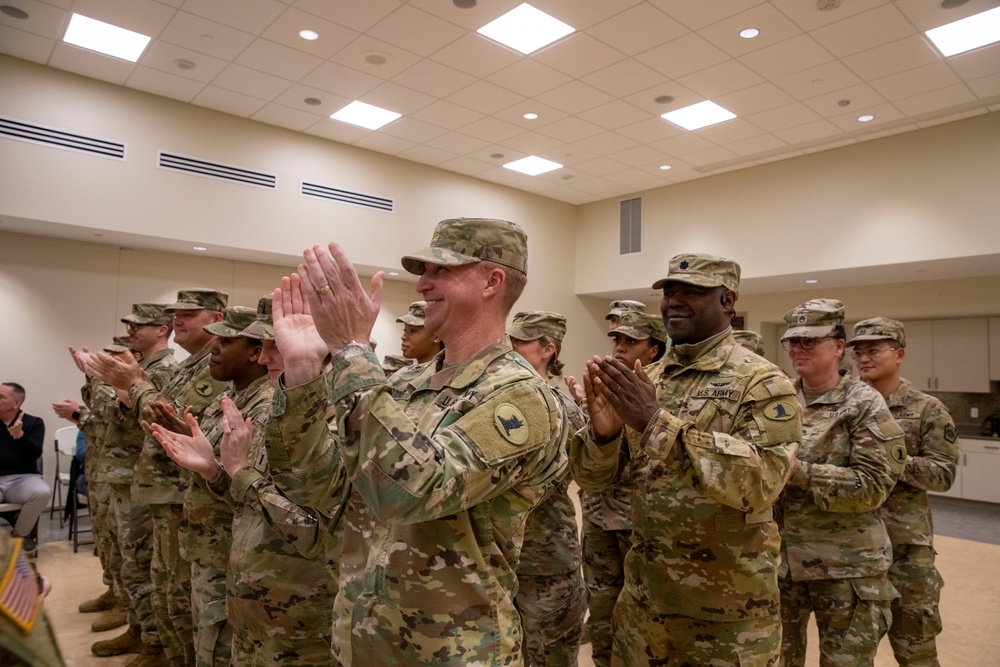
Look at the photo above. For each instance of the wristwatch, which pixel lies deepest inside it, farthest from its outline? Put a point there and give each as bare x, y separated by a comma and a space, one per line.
354, 349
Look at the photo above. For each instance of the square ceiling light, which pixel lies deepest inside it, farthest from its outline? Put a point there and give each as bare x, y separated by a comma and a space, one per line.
967, 34
532, 165
105, 38
525, 29
365, 115
698, 115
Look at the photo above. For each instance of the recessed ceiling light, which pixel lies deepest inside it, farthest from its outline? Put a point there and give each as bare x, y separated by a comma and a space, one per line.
530, 116
393, 273
664, 99
496, 156
525, 29
309, 35
14, 12
866, 118
749, 33
665, 167
532, 165
312, 101
105, 38
698, 115
365, 115
967, 34
199, 248
811, 281
184, 63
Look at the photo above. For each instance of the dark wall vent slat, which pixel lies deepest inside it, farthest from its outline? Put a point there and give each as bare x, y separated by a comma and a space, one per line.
50, 136
630, 226
346, 196
225, 172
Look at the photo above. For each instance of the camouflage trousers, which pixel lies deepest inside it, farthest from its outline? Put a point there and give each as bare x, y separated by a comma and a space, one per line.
99, 501
852, 616
916, 620
644, 638
213, 635
281, 652
171, 576
134, 525
552, 608
604, 571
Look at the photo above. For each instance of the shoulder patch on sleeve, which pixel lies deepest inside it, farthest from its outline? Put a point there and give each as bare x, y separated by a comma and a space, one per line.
203, 387
781, 410
515, 422
950, 434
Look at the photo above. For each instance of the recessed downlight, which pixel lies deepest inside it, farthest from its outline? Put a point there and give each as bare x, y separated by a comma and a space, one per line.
14, 12
184, 64
199, 248
312, 101
665, 167
530, 116
309, 35
393, 274
749, 33
866, 118
811, 281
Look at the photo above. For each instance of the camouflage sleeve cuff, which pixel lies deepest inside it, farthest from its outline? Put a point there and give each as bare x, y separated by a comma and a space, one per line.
242, 482
663, 426
354, 373
136, 393
290, 409
219, 487
802, 475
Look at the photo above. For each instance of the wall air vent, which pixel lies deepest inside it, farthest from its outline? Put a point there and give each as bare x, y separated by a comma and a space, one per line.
49, 136
346, 196
225, 172
630, 226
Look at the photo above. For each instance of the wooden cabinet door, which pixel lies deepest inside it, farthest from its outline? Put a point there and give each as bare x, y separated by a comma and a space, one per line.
961, 355
918, 364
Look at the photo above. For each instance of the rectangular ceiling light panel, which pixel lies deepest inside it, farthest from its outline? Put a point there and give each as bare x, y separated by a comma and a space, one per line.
967, 34
365, 115
698, 115
105, 38
526, 29
533, 165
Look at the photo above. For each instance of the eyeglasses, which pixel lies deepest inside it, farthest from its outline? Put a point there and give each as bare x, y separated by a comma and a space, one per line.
871, 353
132, 326
804, 343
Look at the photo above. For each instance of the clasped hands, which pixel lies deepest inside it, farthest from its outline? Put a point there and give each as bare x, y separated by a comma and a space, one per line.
617, 395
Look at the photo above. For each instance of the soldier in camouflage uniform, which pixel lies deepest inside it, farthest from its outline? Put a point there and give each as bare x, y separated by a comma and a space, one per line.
607, 516
879, 347
149, 329
621, 306
393, 362
712, 429
551, 596
26, 637
208, 539
446, 459
835, 549
751, 340
157, 480
417, 342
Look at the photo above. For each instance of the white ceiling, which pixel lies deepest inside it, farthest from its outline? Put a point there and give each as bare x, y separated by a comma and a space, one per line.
797, 88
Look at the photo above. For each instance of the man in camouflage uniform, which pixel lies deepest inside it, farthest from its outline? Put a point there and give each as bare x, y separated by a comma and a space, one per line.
157, 480
446, 459
879, 347
712, 429
751, 340
835, 549
149, 330
551, 594
607, 516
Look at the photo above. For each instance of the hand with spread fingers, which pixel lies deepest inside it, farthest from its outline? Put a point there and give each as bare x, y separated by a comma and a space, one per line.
164, 414
603, 418
192, 452
341, 309
629, 391
237, 436
78, 357
121, 371
302, 348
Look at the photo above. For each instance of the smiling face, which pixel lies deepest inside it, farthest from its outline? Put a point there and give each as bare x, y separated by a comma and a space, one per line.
821, 361
692, 313
877, 360
144, 337
454, 295
188, 332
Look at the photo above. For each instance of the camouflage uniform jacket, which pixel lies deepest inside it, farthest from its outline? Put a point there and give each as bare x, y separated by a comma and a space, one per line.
157, 479
123, 437
99, 399
931, 460
852, 451
283, 567
551, 540
445, 464
708, 468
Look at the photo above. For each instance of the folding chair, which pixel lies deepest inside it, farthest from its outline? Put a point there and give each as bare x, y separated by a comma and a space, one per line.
65, 448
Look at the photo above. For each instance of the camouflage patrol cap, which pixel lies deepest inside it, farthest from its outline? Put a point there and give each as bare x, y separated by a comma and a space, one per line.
234, 320
120, 344
751, 340
262, 327
460, 241
702, 270
533, 324
416, 315
200, 298
816, 318
619, 306
641, 326
393, 362
147, 313
879, 328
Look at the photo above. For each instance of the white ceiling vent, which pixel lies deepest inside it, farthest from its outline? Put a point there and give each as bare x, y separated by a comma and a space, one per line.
630, 226
49, 136
346, 196
225, 172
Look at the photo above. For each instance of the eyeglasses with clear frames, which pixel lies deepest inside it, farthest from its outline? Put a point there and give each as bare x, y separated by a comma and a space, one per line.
871, 353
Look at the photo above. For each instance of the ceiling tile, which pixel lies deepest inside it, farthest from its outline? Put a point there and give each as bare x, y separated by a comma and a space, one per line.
793, 55
359, 15
784, 117
531, 143
624, 78
228, 101
683, 55
527, 77
818, 129
384, 143
650, 130
252, 16
736, 129
582, 14
927, 15
682, 144
864, 31
986, 87
774, 27
515, 114
709, 156
90, 63
337, 131
862, 97
459, 144
204, 36
574, 97
818, 80
898, 56
638, 29
491, 130
414, 130
164, 57
476, 55
569, 154
145, 17
809, 17
25, 45
416, 30
606, 143
916, 81
979, 63
282, 116
484, 97
935, 100
251, 82
759, 144
638, 156
332, 36
43, 20
447, 114
296, 95
343, 81
718, 80
471, 18
396, 98
578, 55
164, 84
375, 57
614, 114
433, 78
884, 113
696, 14
277, 60
647, 99
465, 165
599, 166
754, 99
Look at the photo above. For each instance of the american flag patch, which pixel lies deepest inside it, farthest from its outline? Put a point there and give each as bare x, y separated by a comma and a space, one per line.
19, 599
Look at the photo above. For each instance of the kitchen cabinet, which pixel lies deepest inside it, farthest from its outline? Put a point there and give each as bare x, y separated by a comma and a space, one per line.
994, 326
980, 463
948, 355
